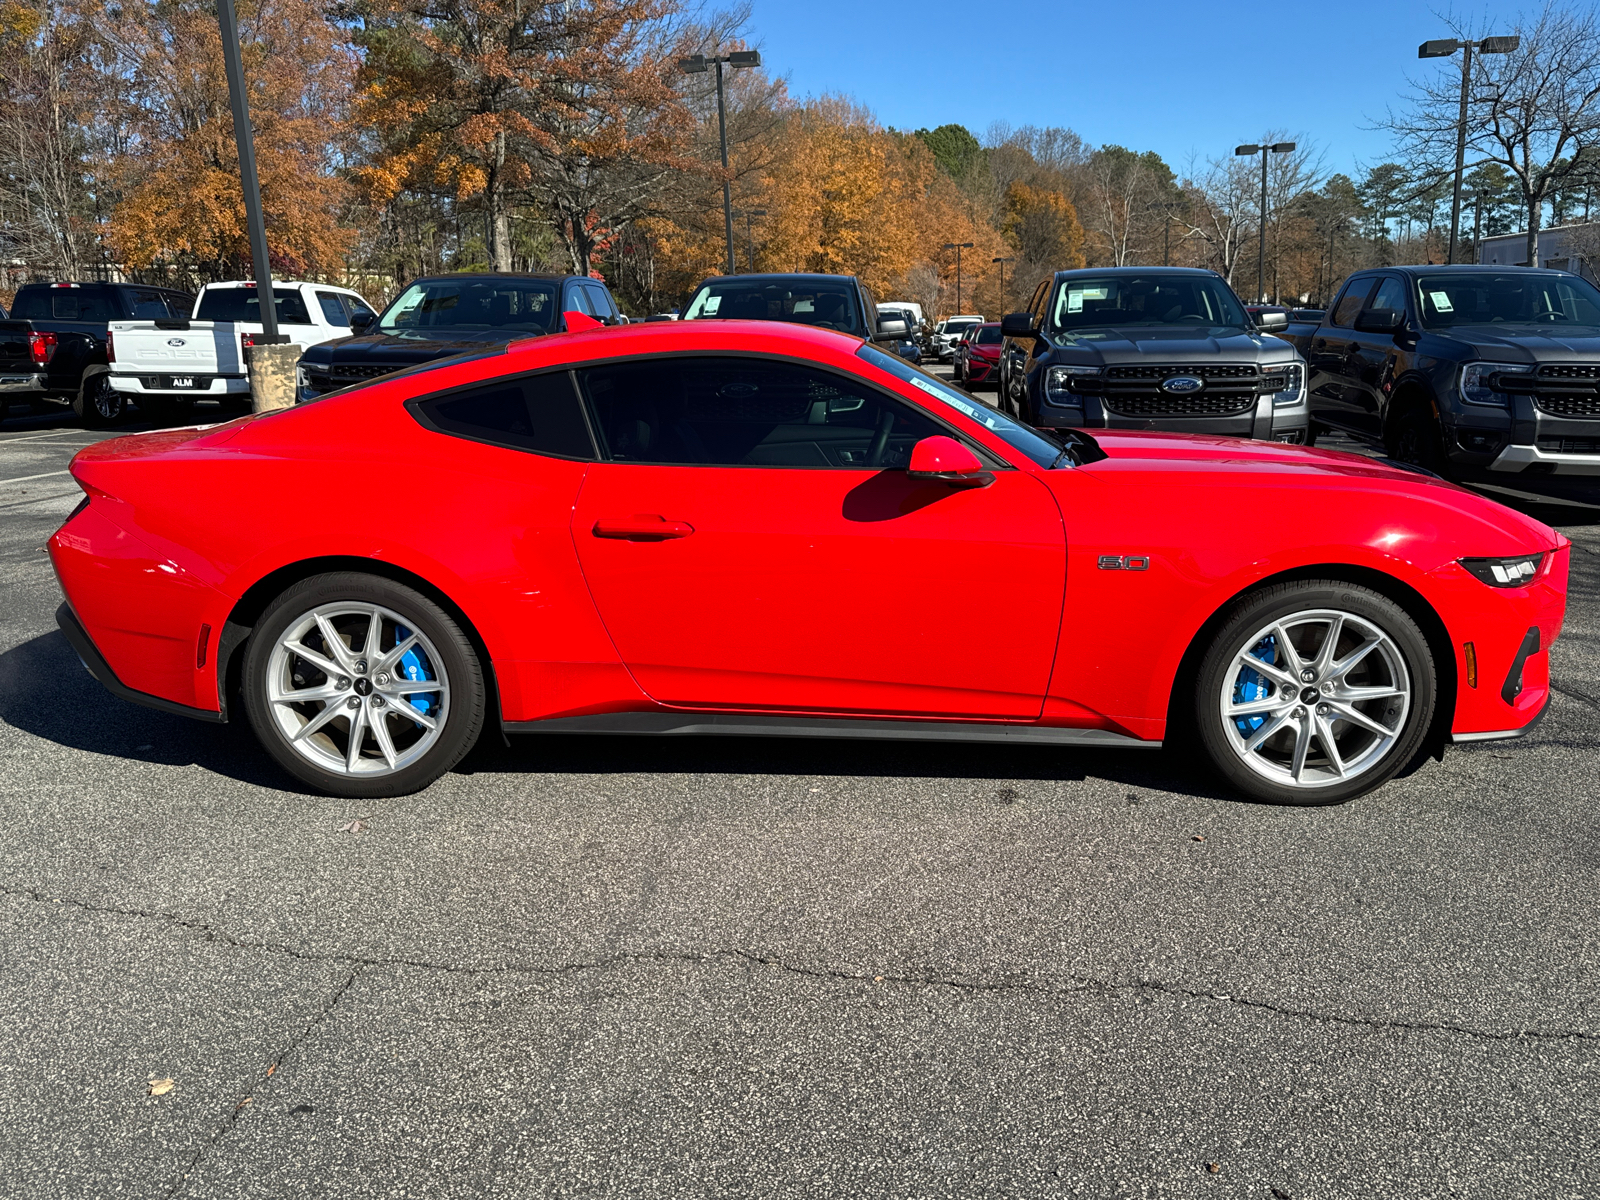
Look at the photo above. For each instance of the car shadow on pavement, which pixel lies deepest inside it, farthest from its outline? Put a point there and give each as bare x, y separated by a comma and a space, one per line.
46, 691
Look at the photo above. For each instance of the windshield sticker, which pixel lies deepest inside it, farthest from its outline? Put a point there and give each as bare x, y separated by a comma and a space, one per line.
712, 304
965, 407
1441, 301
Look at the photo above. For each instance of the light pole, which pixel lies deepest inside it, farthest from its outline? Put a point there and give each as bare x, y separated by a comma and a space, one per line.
958, 247
1002, 262
253, 219
1444, 48
749, 237
1261, 262
699, 64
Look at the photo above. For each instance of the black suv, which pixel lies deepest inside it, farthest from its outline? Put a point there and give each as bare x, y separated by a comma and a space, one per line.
1465, 370
445, 315
1150, 348
839, 302
54, 345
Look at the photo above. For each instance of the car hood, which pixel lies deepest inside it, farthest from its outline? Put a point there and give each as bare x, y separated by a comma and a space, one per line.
1199, 343
1527, 343
1193, 464
411, 346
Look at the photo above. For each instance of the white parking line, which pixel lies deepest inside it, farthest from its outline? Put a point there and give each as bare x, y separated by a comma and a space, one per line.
26, 478
34, 437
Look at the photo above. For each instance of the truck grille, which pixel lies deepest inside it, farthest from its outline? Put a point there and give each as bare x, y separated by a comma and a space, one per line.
349, 373
1567, 390
1134, 391
1557, 445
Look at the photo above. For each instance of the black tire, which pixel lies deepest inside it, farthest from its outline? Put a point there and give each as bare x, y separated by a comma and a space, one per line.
1313, 431
1281, 603
97, 403
463, 715
1414, 437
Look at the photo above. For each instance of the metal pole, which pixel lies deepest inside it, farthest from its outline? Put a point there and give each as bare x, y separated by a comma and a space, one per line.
1002, 287
1477, 229
958, 278
247, 170
1261, 256
727, 186
1461, 151
749, 243
1166, 240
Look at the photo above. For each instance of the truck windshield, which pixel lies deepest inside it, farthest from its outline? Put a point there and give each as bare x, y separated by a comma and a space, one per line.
1154, 299
525, 304
241, 304
1519, 297
825, 303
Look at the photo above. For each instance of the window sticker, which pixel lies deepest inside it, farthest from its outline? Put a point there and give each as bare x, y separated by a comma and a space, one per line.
712, 304
1076, 297
1441, 301
964, 407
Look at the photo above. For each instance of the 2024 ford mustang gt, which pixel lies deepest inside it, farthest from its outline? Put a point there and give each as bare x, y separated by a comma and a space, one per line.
770, 529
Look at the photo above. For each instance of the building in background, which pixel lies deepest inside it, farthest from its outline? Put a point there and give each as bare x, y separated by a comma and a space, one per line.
1574, 248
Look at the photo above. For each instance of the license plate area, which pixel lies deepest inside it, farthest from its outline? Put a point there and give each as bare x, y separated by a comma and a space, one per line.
181, 381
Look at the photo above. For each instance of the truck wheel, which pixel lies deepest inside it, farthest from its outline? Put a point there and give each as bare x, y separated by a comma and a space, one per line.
1414, 438
98, 404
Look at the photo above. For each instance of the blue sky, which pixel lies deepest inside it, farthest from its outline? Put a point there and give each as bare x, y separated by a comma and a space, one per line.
1181, 79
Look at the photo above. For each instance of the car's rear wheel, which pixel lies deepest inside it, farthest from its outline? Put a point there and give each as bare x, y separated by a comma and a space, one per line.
98, 404
362, 687
1315, 692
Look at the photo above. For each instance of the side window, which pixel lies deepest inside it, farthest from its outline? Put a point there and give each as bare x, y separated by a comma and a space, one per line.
1391, 295
1351, 301
149, 306
577, 300
540, 413
1037, 305
739, 412
600, 302
82, 304
31, 305
357, 305
180, 304
333, 308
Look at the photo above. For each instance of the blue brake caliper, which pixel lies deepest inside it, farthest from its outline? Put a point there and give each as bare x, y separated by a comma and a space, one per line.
1251, 685
411, 664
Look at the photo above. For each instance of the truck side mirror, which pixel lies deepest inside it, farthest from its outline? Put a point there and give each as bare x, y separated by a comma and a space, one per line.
1018, 325
1269, 321
360, 321
892, 329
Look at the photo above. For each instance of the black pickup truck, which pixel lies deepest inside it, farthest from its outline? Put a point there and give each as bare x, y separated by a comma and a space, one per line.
54, 347
446, 315
1468, 371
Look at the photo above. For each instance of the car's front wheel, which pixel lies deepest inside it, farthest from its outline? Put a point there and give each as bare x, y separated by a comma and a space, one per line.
1315, 692
362, 687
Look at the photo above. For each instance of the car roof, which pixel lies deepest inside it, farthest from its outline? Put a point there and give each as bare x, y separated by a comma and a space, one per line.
774, 276
1101, 272
1435, 268
453, 276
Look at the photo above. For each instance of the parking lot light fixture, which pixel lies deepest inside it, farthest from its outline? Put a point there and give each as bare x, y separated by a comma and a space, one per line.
699, 64
1261, 259
1002, 261
1444, 48
958, 247
254, 220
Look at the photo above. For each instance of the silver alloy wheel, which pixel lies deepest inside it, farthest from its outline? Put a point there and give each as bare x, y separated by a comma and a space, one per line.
1315, 699
356, 689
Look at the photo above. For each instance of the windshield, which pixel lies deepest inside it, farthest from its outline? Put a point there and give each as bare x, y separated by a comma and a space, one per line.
243, 305
1045, 451
989, 335
525, 304
825, 303
1498, 297
1155, 299
956, 328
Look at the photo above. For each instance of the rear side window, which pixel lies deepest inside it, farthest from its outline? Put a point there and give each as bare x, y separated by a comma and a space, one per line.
82, 304
1352, 301
540, 413
333, 308
242, 304
31, 305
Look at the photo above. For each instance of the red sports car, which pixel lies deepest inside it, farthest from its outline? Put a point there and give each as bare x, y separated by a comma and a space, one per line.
978, 356
760, 528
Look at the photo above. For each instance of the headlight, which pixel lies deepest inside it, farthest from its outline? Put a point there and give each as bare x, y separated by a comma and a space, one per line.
1505, 572
1287, 382
1058, 383
1477, 380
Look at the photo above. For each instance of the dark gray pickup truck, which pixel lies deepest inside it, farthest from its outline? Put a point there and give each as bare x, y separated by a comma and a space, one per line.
1468, 371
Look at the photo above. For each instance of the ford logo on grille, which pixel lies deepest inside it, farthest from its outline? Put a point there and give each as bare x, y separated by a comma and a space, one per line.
176, 342
1182, 385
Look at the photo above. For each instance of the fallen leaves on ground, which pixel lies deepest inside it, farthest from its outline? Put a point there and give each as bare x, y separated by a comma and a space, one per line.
356, 826
160, 1087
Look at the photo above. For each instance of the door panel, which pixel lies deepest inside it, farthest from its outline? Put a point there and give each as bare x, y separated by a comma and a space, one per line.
847, 591
1334, 361
1373, 356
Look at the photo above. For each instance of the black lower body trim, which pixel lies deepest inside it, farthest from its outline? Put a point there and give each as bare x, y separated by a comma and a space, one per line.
101, 670
1503, 735
669, 723
1512, 688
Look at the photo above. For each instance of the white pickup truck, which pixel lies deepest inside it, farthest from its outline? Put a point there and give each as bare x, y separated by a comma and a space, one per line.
165, 366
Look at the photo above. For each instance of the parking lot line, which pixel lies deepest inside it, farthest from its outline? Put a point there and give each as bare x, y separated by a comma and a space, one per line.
34, 437
26, 478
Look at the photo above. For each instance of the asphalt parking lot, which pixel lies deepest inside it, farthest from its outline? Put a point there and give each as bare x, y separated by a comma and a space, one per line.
713, 968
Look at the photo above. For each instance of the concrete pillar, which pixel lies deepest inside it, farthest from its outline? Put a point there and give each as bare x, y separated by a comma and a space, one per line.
272, 380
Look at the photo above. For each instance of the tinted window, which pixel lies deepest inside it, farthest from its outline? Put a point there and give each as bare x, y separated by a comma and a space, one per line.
825, 303
82, 304
1160, 299
1497, 297
989, 335
600, 302
1391, 295
333, 308
31, 305
738, 412
149, 306
241, 304
540, 413
1351, 301
523, 304
357, 305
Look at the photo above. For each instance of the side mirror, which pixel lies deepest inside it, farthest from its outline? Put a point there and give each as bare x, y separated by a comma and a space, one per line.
892, 329
941, 459
360, 322
1380, 320
1272, 320
1018, 325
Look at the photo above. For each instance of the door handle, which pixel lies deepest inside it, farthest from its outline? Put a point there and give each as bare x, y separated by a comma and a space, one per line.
643, 527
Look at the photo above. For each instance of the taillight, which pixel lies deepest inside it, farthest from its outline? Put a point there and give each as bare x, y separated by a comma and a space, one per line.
43, 347
247, 340
111, 350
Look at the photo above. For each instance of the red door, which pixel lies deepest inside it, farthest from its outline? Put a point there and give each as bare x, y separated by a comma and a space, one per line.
840, 591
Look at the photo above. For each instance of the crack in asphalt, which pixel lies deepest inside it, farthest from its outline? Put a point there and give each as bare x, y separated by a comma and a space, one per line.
1082, 984
232, 1119
1572, 694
